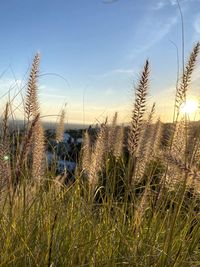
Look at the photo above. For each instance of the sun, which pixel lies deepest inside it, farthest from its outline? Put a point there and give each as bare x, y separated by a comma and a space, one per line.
189, 107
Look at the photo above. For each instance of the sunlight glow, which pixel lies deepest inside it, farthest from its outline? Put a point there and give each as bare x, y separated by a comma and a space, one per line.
189, 107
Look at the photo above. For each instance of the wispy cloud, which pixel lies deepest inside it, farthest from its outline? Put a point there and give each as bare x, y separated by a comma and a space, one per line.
10, 87
118, 71
156, 33
159, 5
109, 92
174, 2
52, 95
197, 23
123, 71
42, 87
7, 83
164, 3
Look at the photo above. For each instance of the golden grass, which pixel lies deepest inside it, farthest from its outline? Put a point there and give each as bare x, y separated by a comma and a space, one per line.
135, 201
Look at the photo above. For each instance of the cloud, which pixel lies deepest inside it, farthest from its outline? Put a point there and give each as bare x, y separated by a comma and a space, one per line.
42, 87
159, 5
164, 3
109, 92
173, 2
10, 87
7, 83
197, 23
123, 71
52, 95
157, 31
119, 71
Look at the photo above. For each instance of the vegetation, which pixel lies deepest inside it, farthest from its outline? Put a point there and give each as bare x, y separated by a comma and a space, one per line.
134, 200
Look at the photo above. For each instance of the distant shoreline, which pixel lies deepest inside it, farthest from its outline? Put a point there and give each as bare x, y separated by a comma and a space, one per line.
50, 125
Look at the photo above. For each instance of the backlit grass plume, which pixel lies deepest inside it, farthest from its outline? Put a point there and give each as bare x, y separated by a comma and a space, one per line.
156, 137
31, 105
177, 153
25, 149
112, 131
97, 156
38, 152
146, 135
144, 154
139, 110
99, 213
60, 127
86, 152
186, 78
119, 142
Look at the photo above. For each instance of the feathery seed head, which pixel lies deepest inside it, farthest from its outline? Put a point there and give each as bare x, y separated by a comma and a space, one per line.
61, 127
32, 106
139, 110
186, 78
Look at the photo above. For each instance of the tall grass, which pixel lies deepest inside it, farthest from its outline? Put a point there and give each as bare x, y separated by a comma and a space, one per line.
134, 202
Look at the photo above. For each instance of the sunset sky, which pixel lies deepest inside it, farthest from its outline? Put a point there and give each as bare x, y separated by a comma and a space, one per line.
92, 52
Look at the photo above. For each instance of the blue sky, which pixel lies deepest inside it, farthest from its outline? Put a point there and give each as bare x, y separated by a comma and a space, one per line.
99, 50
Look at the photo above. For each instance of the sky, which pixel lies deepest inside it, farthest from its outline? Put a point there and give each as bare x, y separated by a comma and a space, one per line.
92, 53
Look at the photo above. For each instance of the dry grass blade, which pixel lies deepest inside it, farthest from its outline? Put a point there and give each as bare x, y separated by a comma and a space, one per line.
196, 153
5, 124
194, 144
5, 168
193, 174
140, 209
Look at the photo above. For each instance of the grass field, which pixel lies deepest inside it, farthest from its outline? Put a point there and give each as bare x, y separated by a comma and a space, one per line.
134, 202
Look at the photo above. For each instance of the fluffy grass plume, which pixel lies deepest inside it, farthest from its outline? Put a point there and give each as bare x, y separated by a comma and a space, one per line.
98, 218
186, 78
38, 153
31, 105
60, 127
139, 110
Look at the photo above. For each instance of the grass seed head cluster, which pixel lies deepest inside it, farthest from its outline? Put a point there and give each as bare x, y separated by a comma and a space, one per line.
135, 196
